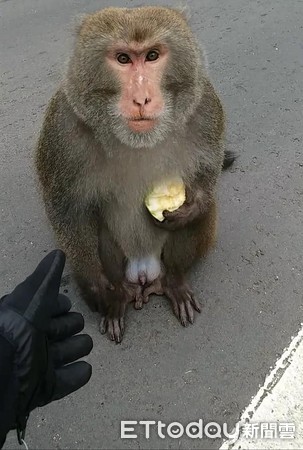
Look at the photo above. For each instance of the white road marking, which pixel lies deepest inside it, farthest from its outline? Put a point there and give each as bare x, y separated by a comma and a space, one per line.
280, 399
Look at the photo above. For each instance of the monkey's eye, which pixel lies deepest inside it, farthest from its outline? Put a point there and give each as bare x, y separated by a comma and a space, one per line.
153, 55
123, 58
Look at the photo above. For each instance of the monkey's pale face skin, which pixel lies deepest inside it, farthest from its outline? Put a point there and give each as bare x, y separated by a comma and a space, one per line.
141, 106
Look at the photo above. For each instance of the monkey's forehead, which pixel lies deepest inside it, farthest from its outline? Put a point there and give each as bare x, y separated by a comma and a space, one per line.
134, 24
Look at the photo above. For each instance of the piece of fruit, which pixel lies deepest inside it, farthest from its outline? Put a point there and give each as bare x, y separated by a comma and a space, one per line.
168, 195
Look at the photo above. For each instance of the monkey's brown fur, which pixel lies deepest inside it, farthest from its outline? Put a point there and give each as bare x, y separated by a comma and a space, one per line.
93, 185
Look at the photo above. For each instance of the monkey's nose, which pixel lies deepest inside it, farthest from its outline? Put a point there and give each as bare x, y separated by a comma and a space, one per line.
141, 102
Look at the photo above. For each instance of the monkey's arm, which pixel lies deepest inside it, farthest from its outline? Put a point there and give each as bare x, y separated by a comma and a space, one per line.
206, 132
58, 164
199, 198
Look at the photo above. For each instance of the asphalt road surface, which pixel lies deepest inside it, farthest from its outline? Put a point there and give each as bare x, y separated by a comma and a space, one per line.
250, 286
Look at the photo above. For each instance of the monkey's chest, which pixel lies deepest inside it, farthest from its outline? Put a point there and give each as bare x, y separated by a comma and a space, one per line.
127, 186
129, 180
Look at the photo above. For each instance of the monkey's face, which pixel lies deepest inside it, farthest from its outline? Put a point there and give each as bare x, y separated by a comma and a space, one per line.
135, 74
142, 112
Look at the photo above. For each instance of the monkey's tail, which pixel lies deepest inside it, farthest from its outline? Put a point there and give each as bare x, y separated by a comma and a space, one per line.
229, 158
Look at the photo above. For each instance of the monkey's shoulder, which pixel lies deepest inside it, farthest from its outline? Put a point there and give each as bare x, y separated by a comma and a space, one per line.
63, 134
61, 152
60, 116
208, 122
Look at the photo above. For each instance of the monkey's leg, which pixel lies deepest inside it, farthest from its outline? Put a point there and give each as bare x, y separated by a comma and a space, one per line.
78, 238
180, 251
114, 302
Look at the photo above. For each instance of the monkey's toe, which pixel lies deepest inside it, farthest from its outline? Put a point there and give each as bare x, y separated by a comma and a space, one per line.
113, 327
183, 301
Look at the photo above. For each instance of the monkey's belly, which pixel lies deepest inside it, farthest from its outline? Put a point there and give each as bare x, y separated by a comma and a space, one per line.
143, 270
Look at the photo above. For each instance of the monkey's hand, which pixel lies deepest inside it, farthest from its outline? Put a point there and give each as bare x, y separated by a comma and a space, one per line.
194, 206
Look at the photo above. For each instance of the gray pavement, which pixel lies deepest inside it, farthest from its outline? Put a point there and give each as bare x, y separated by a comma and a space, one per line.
251, 285
274, 418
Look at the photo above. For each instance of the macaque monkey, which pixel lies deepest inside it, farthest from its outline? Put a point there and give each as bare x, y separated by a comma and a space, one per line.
135, 107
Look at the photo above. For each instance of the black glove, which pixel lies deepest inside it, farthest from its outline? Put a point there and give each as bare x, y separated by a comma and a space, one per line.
37, 346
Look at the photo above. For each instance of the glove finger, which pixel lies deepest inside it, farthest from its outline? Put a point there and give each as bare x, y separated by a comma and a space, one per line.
71, 349
65, 326
63, 305
71, 378
36, 295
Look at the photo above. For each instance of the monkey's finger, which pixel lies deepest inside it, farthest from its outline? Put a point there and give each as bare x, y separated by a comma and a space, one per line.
155, 288
140, 295
70, 349
146, 293
174, 221
177, 215
139, 299
65, 326
145, 299
138, 302
70, 378
167, 225
169, 215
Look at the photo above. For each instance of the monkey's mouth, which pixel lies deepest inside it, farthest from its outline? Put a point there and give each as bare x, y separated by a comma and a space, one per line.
141, 124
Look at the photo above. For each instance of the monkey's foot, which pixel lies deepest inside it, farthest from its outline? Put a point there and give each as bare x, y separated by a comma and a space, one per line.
116, 301
181, 297
114, 328
112, 322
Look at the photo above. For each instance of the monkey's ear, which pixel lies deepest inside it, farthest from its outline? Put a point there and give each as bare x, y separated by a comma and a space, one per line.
77, 23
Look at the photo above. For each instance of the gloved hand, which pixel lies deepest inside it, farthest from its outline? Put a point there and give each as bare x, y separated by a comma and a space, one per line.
38, 343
